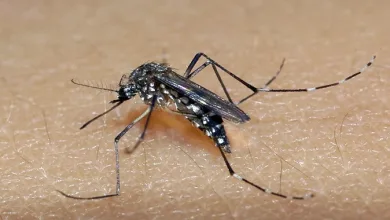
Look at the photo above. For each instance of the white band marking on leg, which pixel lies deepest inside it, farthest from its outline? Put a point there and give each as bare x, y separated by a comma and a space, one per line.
237, 176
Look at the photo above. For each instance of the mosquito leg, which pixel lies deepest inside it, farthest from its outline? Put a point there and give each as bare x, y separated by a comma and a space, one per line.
117, 138
276, 74
221, 82
265, 85
265, 89
255, 90
235, 175
142, 136
196, 58
322, 86
188, 74
197, 70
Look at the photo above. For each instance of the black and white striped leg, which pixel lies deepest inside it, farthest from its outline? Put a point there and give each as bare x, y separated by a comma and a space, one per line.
268, 191
148, 112
265, 85
142, 136
188, 74
276, 74
322, 86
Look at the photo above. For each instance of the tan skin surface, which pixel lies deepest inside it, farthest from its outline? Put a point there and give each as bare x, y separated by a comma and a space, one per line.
334, 142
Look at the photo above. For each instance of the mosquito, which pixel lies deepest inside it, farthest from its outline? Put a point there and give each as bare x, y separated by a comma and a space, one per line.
158, 85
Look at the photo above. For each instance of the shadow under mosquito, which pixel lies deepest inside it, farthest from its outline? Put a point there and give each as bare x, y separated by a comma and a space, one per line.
165, 122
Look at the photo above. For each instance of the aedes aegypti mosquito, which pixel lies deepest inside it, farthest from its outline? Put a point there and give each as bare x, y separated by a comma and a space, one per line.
158, 85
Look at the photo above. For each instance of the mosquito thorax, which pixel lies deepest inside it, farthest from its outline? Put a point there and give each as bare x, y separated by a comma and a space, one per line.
147, 70
144, 81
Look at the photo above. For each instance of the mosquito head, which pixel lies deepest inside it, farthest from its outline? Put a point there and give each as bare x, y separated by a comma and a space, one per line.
127, 92
139, 79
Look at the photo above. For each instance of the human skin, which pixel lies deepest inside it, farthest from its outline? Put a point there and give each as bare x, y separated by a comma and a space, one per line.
333, 142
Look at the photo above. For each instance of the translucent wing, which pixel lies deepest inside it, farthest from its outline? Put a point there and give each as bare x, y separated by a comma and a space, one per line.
203, 96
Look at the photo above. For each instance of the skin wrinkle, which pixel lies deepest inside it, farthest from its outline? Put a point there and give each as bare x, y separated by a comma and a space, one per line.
45, 45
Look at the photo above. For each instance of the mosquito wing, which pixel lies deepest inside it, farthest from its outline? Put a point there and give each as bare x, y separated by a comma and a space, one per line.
203, 96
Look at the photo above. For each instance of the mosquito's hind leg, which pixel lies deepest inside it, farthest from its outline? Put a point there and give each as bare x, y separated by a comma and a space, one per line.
311, 89
266, 84
189, 74
268, 191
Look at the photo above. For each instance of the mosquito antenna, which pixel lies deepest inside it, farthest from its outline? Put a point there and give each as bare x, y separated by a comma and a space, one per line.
94, 87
